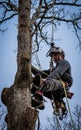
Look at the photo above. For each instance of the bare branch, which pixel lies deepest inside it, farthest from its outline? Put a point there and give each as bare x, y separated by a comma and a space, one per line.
8, 10
42, 15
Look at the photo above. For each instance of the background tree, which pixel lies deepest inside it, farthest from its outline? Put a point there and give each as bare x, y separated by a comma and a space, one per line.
76, 118
2, 115
34, 26
66, 124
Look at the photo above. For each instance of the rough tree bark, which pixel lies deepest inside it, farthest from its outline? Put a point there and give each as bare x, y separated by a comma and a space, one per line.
17, 98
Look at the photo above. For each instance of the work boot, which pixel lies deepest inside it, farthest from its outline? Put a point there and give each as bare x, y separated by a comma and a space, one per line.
56, 108
61, 105
37, 101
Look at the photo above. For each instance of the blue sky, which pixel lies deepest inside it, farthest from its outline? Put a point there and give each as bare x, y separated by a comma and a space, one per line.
8, 66
8, 44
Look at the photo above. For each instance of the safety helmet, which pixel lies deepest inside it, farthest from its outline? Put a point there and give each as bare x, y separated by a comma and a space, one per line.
56, 50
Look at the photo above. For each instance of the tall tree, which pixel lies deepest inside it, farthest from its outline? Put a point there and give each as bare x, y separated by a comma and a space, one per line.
17, 98
34, 20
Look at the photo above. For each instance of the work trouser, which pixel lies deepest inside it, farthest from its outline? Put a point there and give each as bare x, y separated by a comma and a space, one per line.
53, 85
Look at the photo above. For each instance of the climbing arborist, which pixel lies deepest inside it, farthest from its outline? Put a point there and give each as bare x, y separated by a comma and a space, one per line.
60, 75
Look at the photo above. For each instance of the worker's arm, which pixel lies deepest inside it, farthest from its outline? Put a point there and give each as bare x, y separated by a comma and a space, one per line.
61, 68
43, 73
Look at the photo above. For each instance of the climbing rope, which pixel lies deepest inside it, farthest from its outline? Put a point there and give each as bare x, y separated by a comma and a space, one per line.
58, 122
37, 60
51, 66
52, 38
38, 123
53, 100
68, 105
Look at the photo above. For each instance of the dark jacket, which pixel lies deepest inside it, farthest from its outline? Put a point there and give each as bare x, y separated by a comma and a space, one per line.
61, 71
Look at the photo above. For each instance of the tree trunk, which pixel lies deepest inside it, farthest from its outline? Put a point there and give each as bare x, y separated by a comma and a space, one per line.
17, 98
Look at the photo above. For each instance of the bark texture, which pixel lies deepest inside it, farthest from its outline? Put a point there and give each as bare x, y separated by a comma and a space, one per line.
20, 116
17, 98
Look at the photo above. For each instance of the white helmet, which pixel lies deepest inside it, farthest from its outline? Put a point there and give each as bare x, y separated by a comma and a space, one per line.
56, 50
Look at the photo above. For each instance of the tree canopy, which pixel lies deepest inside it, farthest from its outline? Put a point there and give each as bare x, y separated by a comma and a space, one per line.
66, 123
45, 14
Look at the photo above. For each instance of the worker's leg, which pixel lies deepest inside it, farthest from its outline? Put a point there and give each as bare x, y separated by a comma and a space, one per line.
52, 85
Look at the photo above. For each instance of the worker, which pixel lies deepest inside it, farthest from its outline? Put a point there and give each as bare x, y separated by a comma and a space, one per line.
60, 75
